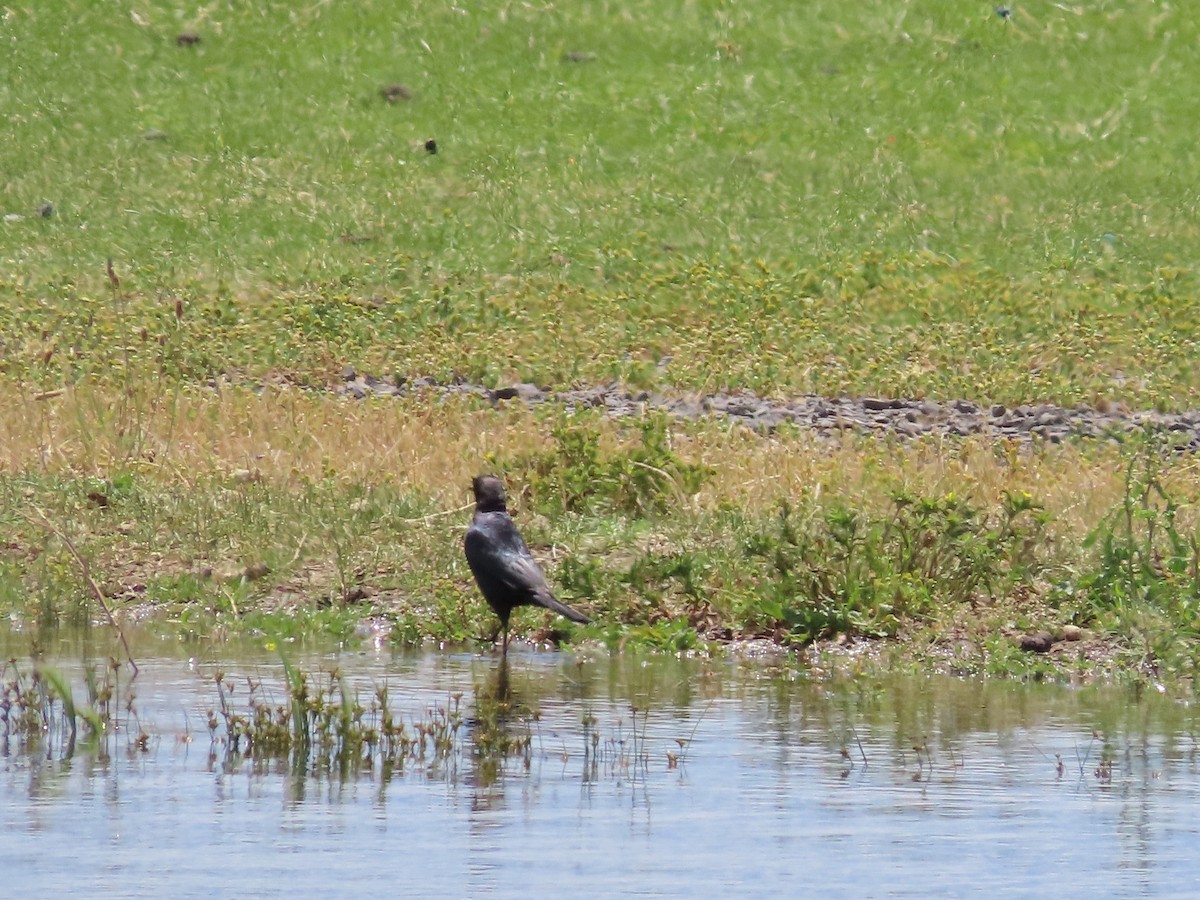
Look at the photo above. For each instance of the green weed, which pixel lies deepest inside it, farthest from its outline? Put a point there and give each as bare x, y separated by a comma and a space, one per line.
644, 477
843, 571
1143, 578
39, 712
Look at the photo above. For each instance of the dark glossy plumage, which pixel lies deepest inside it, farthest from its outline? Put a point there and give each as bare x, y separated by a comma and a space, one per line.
505, 570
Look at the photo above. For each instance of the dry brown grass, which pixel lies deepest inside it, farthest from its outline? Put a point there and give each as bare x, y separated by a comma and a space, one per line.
434, 446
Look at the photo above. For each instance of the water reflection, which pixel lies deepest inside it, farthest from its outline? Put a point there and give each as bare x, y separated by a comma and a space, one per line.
616, 774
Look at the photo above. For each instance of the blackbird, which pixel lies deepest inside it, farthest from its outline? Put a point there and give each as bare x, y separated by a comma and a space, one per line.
506, 572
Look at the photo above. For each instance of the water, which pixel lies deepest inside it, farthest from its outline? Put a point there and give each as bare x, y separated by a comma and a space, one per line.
961, 791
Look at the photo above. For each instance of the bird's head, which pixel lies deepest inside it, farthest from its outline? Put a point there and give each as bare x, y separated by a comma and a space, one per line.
489, 493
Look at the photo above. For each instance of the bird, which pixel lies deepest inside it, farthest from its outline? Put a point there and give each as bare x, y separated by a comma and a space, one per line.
506, 572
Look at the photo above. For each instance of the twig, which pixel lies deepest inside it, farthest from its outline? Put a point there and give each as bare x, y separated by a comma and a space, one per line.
1039, 749
91, 583
857, 740
683, 750
232, 603
438, 515
1083, 761
666, 476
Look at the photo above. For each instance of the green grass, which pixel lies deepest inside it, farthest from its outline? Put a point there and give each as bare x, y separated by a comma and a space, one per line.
913, 200
787, 197
796, 131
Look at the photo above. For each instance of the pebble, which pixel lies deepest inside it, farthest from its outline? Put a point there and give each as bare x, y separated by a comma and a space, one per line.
823, 415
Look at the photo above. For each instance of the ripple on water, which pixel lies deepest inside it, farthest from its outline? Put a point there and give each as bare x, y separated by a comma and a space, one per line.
708, 779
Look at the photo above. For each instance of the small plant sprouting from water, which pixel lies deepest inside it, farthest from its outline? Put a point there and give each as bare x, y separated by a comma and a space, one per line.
322, 726
39, 712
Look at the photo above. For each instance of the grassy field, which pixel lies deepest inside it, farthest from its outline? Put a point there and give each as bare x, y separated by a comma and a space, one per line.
917, 200
788, 197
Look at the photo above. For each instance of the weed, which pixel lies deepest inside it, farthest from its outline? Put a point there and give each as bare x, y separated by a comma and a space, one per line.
643, 477
1143, 580
39, 711
843, 571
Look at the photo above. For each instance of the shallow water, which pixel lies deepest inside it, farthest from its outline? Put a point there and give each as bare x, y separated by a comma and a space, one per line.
782, 785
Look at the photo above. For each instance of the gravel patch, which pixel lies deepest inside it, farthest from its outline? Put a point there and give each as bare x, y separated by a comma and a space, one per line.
827, 416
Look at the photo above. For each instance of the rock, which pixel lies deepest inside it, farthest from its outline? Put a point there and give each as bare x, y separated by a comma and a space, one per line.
1038, 642
684, 409
875, 404
1072, 633
824, 416
766, 420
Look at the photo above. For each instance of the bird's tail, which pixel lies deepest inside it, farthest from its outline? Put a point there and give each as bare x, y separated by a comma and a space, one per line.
552, 603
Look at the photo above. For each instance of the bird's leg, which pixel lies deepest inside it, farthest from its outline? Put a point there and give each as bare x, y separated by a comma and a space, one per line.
504, 650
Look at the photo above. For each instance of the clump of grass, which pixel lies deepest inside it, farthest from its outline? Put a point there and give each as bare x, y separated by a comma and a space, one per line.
21, 706
813, 570
1142, 578
39, 712
321, 726
641, 476
844, 571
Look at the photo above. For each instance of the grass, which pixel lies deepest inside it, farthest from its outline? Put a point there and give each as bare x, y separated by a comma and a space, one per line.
786, 538
324, 723
778, 198
698, 196
39, 712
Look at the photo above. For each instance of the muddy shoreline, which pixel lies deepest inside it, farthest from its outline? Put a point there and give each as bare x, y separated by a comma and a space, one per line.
826, 416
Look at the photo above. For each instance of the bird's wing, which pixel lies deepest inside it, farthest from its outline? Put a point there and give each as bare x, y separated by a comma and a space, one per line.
506, 560
523, 573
